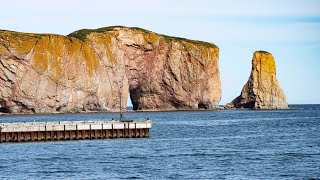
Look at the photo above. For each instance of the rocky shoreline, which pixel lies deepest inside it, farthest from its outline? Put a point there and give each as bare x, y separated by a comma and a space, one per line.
145, 111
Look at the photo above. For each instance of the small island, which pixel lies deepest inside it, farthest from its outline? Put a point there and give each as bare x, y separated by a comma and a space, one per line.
262, 91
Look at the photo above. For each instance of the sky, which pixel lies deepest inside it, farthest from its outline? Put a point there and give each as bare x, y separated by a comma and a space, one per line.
289, 29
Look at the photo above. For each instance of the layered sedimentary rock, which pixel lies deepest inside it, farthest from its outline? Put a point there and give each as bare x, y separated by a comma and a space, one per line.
84, 71
262, 91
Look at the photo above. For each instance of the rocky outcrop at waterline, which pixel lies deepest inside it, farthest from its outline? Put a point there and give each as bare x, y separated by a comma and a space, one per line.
262, 91
48, 73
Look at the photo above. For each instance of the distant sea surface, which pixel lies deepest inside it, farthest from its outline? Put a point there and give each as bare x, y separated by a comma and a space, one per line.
230, 144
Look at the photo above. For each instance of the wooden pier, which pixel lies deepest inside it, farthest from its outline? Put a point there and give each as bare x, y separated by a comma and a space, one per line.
73, 130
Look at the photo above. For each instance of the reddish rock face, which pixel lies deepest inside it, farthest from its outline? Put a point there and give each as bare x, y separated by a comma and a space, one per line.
84, 71
262, 91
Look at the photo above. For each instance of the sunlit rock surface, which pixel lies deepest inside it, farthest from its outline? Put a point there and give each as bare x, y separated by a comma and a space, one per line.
47, 73
262, 91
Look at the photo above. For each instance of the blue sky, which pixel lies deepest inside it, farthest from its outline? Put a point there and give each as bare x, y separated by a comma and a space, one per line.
289, 29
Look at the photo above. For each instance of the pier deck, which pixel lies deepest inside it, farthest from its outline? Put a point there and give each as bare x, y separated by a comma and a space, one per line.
73, 130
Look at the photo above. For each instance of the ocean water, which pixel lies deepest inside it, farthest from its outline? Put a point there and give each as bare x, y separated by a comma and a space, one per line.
234, 144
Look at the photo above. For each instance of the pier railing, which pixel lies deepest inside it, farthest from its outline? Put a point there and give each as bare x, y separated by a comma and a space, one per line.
73, 130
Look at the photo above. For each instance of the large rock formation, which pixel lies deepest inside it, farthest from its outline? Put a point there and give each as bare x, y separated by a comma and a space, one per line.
262, 90
45, 73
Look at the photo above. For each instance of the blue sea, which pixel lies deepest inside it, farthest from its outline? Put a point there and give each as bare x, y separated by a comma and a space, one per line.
225, 144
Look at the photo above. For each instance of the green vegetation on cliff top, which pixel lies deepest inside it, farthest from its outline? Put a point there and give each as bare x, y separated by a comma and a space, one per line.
262, 52
16, 33
82, 34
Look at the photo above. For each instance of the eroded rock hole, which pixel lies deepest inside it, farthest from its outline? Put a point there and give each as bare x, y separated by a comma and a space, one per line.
58, 109
3, 107
249, 105
4, 110
202, 106
134, 97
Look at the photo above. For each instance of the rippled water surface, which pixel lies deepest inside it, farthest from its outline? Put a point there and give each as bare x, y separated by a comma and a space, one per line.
282, 144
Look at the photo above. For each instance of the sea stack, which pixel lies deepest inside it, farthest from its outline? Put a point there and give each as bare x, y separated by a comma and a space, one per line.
262, 91
89, 69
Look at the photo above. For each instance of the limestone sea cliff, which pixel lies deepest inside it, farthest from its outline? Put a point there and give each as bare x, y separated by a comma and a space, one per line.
48, 73
262, 91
